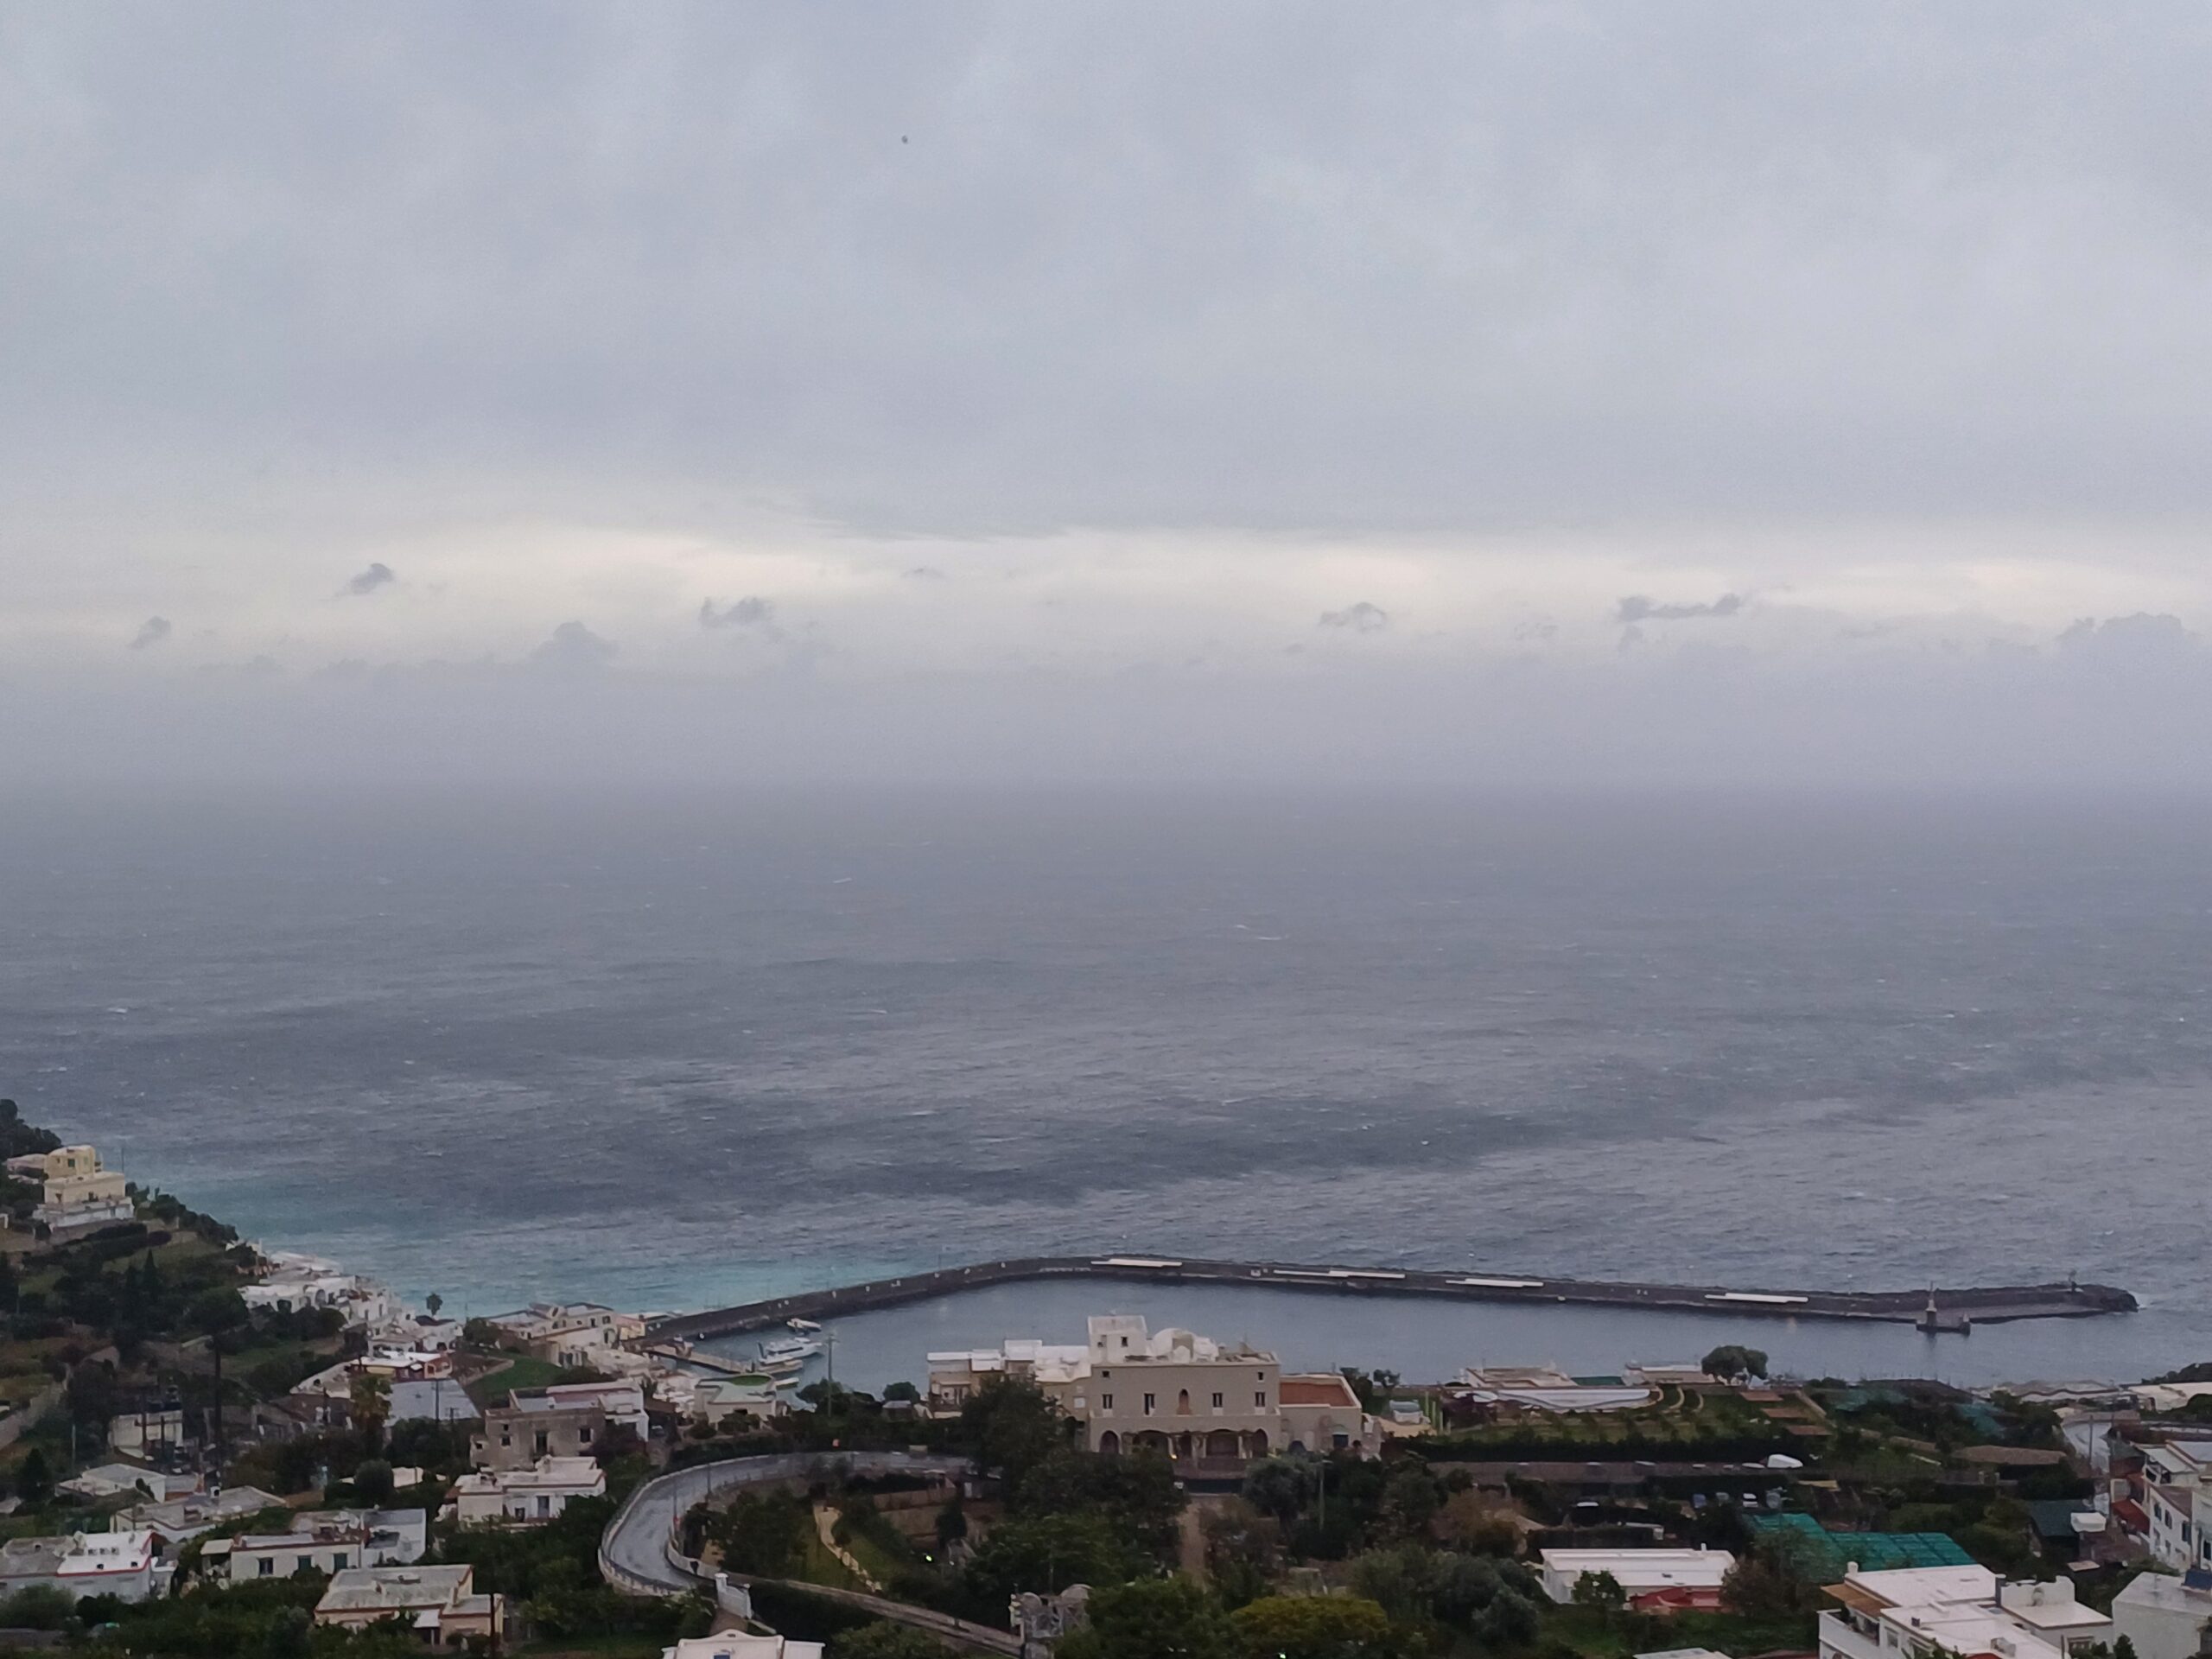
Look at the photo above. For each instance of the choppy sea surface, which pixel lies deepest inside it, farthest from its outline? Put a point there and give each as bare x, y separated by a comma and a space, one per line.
680, 1050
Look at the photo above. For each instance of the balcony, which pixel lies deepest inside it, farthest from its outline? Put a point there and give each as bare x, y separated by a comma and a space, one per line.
1840, 1640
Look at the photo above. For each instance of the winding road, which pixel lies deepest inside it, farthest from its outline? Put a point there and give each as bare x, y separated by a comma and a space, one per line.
634, 1553
637, 1552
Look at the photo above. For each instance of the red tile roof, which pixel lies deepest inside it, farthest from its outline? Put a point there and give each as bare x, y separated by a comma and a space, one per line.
1318, 1391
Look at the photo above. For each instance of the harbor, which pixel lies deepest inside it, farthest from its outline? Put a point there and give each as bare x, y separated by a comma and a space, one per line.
1935, 1309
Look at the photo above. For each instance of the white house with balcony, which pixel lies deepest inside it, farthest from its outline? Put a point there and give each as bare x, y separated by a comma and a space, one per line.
525, 1496
1921, 1612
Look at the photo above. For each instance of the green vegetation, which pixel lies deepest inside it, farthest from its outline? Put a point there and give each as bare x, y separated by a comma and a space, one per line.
1731, 1361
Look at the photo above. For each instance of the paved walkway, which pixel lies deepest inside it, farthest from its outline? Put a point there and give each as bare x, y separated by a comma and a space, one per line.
825, 1528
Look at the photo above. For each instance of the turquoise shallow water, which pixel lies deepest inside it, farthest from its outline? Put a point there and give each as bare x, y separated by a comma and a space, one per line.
687, 1050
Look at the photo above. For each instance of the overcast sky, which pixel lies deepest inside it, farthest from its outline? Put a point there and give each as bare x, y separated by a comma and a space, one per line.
1548, 392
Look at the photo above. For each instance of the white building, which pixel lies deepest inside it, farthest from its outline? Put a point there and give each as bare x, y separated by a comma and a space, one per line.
1638, 1571
1546, 1388
1921, 1612
420, 1333
569, 1334
77, 1194
294, 1283
322, 1541
1170, 1391
439, 1603
178, 1519
958, 1374
142, 1433
623, 1401
716, 1400
732, 1645
2176, 1478
524, 1497
119, 1564
113, 1479
2163, 1617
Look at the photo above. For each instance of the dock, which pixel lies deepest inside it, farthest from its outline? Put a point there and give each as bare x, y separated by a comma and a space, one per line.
1986, 1305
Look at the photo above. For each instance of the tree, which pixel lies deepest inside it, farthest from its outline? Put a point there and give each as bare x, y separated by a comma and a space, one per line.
763, 1533
372, 1483
884, 1638
434, 1302
291, 1634
951, 1522
215, 1314
1731, 1361
1046, 1554
1153, 1618
901, 1390
35, 1479
1242, 1553
1411, 1499
1599, 1590
369, 1397
1013, 1426
1400, 1580
1772, 1580
1137, 1492
1313, 1627
1280, 1486
93, 1398
1511, 1621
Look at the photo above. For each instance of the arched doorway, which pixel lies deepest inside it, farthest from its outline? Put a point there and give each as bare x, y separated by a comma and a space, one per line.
1259, 1442
1182, 1402
1109, 1444
1222, 1443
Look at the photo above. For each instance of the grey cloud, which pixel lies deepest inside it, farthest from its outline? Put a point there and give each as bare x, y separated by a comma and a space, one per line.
574, 647
747, 612
1805, 279
378, 574
1360, 618
2141, 641
152, 631
1638, 609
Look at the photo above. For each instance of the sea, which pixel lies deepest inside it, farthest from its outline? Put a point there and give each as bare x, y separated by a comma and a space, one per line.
679, 1049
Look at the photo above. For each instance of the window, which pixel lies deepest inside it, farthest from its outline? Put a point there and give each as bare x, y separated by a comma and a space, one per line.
540, 1445
1147, 1405
1261, 1399
583, 1435
268, 1566
1216, 1403
337, 1561
307, 1565
1105, 1403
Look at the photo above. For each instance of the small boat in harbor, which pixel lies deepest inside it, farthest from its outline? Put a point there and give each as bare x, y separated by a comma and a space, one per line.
802, 1324
787, 1353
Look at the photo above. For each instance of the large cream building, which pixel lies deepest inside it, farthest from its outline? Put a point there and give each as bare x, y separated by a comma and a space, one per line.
1170, 1391
76, 1193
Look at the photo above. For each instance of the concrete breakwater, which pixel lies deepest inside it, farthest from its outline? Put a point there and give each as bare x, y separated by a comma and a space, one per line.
1954, 1308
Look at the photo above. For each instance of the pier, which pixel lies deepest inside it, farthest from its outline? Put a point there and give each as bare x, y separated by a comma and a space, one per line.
1960, 1308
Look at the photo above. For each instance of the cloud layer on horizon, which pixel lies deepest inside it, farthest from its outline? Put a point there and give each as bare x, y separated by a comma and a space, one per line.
1073, 354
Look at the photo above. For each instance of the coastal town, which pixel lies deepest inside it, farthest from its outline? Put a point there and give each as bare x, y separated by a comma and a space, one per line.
212, 1448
